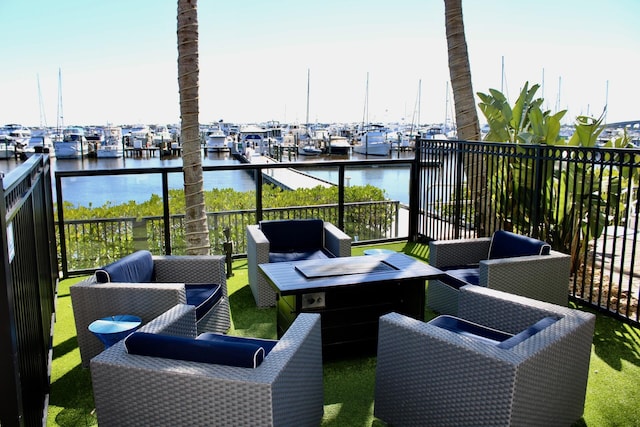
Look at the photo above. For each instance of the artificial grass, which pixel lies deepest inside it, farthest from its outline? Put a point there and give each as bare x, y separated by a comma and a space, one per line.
612, 391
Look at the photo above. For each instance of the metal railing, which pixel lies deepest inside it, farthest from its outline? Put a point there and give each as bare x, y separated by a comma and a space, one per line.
29, 270
582, 201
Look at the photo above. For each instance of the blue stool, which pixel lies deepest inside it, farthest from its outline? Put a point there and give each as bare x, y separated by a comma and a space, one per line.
112, 329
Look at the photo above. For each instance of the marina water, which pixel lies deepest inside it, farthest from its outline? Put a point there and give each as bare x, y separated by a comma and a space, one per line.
117, 189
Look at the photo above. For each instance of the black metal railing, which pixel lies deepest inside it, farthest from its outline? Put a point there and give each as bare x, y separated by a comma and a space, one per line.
583, 201
30, 272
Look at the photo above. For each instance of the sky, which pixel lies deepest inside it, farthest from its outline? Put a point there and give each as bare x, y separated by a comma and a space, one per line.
97, 61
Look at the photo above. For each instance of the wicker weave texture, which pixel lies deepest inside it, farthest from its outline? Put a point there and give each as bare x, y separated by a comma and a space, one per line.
285, 390
541, 277
426, 375
92, 300
335, 241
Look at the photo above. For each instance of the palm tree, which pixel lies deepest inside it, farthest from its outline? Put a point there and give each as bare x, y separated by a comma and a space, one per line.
468, 126
196, 230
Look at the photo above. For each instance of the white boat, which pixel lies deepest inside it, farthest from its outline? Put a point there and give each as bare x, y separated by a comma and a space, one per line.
216, 140
339, 145
433, 132
19, 134
140, 136
255, 137
73, 145
112, 146
162, 137
309, 150
372, 142
40, 143
7, 149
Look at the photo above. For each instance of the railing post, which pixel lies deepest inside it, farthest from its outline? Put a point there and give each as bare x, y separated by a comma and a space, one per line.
341, 197
414, 189
166, 215
258, 179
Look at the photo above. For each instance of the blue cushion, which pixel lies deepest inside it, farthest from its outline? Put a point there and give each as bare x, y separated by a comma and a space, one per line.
134, 268
294, 235
530, 331
461, 276
215, 337
297, 256
470, 329
505, 244
242, 354
203, 296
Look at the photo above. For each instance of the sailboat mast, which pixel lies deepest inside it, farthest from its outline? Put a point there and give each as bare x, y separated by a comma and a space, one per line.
308, 86
60, 120
43, 116
365, 113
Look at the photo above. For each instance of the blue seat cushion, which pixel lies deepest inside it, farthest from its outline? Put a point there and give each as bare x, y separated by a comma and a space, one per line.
203, 296
215, 337
470, 329
293, 235
297, 256
458, 277
244, 354
529, 332
134, 268
505, 244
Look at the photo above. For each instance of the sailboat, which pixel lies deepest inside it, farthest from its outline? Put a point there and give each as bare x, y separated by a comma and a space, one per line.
73, 144
372, 139
306, 146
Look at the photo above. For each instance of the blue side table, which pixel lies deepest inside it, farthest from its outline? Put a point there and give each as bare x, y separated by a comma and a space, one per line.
112, 329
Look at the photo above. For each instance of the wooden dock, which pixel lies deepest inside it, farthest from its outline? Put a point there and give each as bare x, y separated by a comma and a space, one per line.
288, 179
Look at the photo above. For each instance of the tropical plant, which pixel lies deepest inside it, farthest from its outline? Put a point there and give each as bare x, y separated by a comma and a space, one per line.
567, 223
196, 231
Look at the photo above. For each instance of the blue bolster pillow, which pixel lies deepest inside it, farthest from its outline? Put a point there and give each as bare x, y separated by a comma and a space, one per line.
231, 353
505, 244
470, 329
527, 333
134, 268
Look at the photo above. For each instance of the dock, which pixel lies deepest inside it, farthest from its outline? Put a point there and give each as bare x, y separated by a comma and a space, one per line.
288, 179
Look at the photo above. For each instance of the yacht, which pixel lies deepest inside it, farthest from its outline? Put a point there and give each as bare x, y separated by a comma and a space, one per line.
373, 142
73, 145
216, 140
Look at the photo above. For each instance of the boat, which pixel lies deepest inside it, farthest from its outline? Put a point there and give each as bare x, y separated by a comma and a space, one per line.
162, 137
112, 147
39, 143
255, 137
73, 145
139, 136
18, 133
309, 150
433, 132
372, 142
7, 148
216, 140
339, 145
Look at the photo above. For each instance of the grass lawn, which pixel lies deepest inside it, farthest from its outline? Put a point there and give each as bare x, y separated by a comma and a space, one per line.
612, 393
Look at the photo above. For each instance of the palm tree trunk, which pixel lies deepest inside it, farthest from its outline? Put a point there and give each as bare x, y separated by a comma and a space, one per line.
196, 230
468, 126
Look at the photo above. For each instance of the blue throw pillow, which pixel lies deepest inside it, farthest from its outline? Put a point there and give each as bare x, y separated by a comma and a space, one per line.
231, 353
294, 235
134, 268
527, 333
505, 244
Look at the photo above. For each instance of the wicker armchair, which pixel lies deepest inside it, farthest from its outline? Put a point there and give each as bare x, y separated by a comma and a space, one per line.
328, 242
427, 375
92, 300
285, 390
544, 277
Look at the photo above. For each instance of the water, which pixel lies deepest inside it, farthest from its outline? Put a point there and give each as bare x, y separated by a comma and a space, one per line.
116, 189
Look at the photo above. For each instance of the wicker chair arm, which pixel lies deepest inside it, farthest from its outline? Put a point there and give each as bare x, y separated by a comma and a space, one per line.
447, 253
336, 241
191, 269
